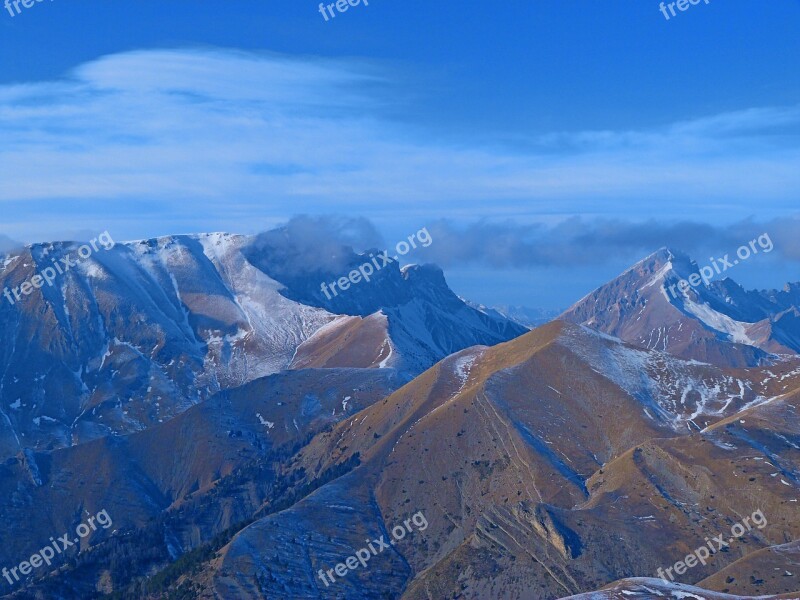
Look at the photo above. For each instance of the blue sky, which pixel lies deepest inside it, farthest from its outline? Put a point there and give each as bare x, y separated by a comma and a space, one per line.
148, 118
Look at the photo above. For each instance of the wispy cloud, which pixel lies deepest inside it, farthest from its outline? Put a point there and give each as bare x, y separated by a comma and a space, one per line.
238, 135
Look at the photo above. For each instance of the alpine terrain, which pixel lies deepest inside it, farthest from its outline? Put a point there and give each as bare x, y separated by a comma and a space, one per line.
249, 434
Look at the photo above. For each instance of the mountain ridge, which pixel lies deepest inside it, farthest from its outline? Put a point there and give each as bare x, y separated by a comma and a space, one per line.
719, 323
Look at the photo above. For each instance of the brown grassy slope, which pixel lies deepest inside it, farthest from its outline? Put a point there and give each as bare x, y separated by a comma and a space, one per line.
539, 474
697, 487
347, 342
137, 477
642, 514
778, 567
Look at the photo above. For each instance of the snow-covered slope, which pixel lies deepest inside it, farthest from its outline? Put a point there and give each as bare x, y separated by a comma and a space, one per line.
685, 394
135, 335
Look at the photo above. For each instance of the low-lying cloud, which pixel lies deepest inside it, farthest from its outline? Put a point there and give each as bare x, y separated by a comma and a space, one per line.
585, 242
308, 244
311, 243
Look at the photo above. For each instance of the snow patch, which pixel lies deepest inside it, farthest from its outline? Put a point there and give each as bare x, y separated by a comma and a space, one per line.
263, 421
735, 330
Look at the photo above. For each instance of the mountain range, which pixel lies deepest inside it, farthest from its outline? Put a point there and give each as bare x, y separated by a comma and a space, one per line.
246, 432
137, 334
